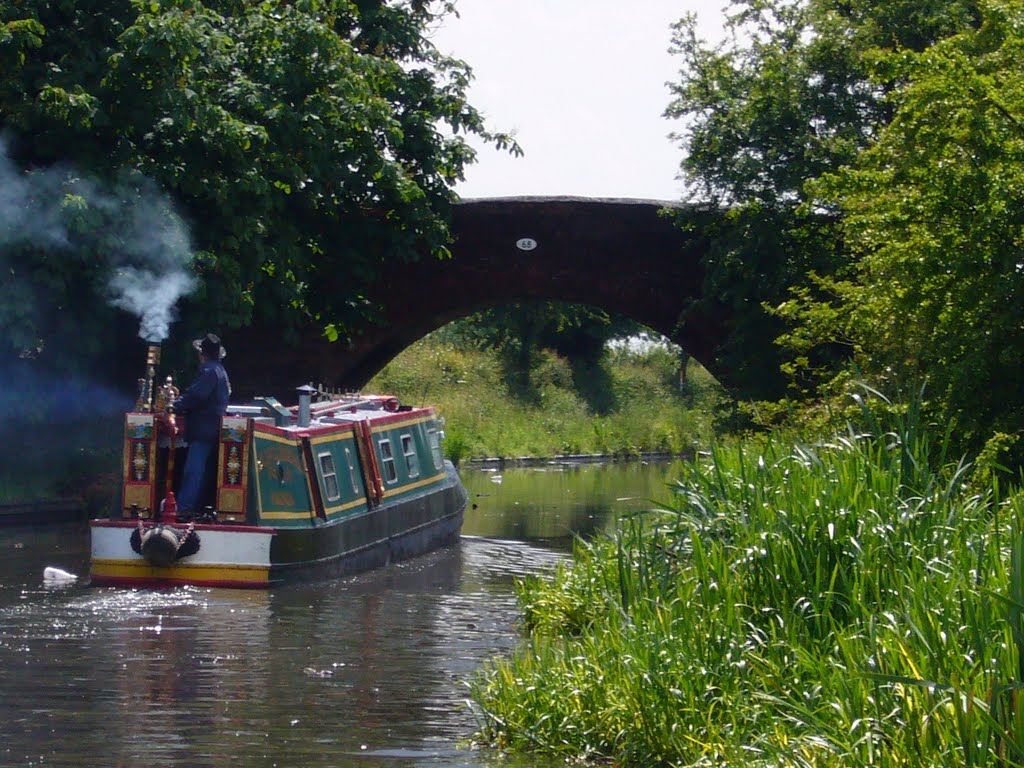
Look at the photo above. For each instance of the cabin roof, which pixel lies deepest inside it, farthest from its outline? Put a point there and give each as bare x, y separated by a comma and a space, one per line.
339, 411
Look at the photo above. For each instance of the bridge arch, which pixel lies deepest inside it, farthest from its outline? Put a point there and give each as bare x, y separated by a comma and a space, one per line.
624, 256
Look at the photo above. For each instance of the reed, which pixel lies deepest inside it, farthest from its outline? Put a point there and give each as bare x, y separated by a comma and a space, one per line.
838, 603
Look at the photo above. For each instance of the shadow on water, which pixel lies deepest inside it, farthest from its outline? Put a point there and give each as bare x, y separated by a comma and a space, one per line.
367, 671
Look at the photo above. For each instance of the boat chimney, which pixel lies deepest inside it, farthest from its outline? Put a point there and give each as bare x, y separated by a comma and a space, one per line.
145, 402
305, 398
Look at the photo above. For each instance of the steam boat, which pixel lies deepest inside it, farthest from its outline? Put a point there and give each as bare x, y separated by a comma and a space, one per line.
333, 485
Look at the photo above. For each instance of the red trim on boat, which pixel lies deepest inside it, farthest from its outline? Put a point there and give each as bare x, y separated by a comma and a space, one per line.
376, 418
391, 417
198, 526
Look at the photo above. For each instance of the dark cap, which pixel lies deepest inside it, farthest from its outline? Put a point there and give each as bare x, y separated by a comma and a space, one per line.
210, 346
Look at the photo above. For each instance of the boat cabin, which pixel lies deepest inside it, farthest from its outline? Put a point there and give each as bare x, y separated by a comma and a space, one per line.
314, 462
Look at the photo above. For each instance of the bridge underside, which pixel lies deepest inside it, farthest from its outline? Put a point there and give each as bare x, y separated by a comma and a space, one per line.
623, 256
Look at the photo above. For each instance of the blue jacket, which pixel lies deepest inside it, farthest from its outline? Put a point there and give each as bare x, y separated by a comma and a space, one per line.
204, 402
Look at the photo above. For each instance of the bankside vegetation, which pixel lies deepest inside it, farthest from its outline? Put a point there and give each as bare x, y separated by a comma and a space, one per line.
870, 157
625, 403
851, 602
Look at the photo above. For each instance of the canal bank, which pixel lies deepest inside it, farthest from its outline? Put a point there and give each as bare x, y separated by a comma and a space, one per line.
42, 511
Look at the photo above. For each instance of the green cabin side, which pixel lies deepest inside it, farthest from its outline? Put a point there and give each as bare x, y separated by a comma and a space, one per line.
284, 495
409, 454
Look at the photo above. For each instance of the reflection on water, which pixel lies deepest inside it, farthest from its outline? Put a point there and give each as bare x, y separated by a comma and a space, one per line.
367, 671
552, 502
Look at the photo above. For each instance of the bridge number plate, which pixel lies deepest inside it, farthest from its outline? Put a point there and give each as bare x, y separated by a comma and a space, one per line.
526, 244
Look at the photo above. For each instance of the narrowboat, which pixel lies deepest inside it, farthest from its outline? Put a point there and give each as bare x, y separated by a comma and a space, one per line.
333, 485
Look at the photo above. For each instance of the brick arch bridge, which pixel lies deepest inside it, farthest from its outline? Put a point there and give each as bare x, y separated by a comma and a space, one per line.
623, 256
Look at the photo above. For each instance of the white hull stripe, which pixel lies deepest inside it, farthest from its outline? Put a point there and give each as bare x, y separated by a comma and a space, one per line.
216, 548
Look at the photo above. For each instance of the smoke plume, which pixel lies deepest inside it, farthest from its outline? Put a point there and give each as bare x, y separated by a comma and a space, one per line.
143, 242
151, 269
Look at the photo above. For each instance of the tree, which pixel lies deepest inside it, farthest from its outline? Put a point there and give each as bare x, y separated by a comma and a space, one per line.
934, 213
299, 141
787, 97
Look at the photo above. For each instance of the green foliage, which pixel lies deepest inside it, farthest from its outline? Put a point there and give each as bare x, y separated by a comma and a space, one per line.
1000, 452
573, 609
755, 255
932, 211
83, 464
837, 603
787, 97
305, 144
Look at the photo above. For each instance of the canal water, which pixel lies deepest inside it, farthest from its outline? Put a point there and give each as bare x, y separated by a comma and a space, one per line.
368, 671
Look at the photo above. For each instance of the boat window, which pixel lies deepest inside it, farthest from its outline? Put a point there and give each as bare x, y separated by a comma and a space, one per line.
412, 462
352, 470
332, 492
388, 462
434, 437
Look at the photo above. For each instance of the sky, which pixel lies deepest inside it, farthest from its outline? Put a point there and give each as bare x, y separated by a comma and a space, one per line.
582, 85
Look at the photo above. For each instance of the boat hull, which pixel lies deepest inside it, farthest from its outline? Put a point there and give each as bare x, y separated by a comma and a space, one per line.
388, 533
259, 557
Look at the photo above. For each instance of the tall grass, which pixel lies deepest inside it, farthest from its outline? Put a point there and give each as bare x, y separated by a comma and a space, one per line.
829, 604
644, 409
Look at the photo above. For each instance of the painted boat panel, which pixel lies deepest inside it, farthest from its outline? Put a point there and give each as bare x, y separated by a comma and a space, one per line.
282, 483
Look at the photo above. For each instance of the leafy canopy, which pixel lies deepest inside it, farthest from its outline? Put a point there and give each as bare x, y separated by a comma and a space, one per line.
934, 213
305, 144
789, 95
